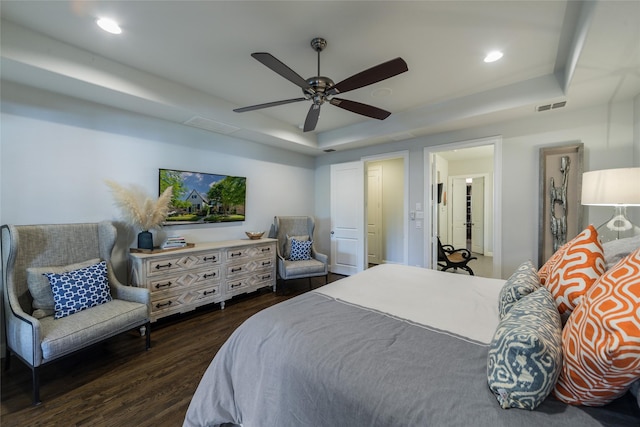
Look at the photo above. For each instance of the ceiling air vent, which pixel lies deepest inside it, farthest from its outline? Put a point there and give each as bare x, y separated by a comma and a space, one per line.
211, 125
552, 106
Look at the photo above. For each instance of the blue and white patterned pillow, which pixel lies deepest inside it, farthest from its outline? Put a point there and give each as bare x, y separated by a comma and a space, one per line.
80, 289
525, 355
300, 250
522, 282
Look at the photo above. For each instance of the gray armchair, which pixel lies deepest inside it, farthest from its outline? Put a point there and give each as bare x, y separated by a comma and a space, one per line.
301, 227
38, 338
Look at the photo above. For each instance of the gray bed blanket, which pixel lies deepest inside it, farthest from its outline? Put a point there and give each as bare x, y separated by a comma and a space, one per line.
315, 361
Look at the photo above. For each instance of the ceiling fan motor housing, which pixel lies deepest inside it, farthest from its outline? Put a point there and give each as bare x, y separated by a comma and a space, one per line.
319, 87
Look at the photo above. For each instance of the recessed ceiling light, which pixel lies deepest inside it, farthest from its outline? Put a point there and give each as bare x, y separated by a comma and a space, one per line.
109, 25
493, 56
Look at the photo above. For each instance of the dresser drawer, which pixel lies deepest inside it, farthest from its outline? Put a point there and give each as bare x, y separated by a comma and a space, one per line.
160, 266
189, 299
248, 267
172, 282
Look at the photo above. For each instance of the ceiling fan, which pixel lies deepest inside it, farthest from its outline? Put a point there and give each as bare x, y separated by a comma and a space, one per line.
319, 89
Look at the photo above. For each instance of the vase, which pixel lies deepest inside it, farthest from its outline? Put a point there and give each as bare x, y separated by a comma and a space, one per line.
145, 240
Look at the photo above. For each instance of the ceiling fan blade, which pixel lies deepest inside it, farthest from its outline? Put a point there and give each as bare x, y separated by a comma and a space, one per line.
359, 108
372, 75
276, 65
268, 104
312, 118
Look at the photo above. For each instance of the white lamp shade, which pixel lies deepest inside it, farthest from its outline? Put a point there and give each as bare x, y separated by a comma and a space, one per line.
611, 187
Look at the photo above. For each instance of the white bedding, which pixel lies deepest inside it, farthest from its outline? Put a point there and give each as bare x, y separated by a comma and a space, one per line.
423, 296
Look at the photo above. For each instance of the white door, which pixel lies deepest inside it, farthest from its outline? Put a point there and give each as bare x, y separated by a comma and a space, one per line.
477, 215
459, 213
374, 214
347, 218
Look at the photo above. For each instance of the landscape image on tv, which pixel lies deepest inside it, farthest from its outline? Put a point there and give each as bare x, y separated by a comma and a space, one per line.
203, 197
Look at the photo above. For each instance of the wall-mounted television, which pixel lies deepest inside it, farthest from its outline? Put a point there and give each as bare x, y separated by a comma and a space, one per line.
203, 198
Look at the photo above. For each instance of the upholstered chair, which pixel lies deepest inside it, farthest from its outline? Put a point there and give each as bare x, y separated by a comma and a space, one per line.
36, 334
293, 261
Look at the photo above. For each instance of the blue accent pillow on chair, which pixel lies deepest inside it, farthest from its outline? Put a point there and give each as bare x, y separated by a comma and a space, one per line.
80, 289
300, 250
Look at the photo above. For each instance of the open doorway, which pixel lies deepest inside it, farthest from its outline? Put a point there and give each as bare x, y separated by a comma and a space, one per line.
464, 178
386, 209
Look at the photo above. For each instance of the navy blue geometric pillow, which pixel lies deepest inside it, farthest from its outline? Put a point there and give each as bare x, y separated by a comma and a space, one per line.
300, 250
80, 289
525, 355
522, 282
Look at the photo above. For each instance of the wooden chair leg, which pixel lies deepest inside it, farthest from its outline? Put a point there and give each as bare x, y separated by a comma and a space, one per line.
148, 335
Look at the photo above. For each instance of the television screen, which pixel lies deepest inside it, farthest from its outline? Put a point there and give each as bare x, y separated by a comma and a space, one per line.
200, 198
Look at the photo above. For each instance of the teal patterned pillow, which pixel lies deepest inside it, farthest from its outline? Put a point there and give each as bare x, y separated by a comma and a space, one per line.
525, 356
300, 250
522, 282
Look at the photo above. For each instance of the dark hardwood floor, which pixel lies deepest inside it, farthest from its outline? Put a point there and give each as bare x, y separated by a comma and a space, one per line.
118, 383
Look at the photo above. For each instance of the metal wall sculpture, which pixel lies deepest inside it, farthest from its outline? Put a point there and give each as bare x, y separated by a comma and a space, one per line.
560, 187
558, 198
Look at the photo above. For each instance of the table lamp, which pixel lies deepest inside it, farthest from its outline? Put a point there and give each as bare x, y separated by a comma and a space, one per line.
618, 188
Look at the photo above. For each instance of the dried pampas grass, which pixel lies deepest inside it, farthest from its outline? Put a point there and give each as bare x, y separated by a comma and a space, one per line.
139, 210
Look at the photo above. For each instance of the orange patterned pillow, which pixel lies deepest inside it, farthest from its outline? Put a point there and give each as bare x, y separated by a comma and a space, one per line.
601, 340
577, 269
543, 273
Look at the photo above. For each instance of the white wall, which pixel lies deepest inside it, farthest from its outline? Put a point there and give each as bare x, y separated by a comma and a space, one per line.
56, 153
607, 132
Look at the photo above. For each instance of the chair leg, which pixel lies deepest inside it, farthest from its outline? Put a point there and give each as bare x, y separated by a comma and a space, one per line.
326, 279
310, 284
148, 335
7, 357
35, 370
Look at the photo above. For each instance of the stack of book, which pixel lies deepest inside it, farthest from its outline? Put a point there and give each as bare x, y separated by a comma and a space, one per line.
174, 242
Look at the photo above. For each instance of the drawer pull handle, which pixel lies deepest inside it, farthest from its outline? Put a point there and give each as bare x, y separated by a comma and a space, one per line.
209, 292
268, 276
158, 266
266, 249
163, 285
236, 285
206, 276
236, 254
211, 258
166, 304
266, 263
233, 270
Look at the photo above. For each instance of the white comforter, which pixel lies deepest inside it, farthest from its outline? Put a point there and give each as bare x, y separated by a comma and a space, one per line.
424, 297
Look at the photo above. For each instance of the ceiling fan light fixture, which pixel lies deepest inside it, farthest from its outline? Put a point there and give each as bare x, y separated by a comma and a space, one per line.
493, 56
109, 25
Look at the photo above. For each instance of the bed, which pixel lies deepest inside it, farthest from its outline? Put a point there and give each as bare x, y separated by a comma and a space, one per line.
391, 346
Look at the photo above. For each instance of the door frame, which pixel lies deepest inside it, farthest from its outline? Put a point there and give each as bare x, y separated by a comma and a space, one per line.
431, 188
404, 155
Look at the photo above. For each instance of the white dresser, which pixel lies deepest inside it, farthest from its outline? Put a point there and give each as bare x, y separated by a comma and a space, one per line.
183, 279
